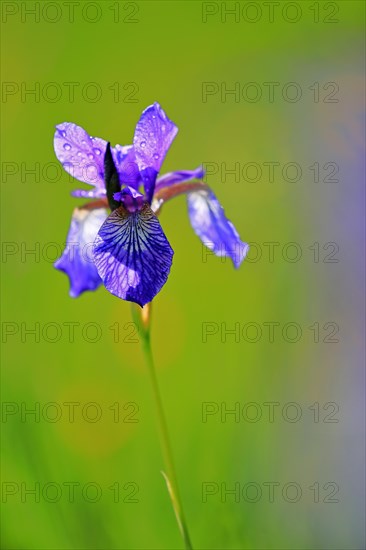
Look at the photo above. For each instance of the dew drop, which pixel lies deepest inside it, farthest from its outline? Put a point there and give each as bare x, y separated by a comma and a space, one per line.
97, 151
67, 147
156, 156
90, 156
143, 144
62, 133
80, 154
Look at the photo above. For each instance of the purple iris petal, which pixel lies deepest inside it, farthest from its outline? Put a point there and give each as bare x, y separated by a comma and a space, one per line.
132, 255
88, 194
126, 164
154, 134
213, 228
179, 177
127, 190
77, 258
81, 155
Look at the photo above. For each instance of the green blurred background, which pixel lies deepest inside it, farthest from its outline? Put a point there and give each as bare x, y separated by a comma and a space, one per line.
167, 50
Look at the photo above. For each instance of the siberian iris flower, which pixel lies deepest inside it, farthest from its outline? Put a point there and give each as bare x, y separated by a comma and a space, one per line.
127, 249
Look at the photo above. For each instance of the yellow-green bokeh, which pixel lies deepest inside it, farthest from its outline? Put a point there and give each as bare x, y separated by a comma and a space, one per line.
168, 53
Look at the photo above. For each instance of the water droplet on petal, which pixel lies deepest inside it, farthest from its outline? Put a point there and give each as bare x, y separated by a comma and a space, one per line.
62, 133
83, 142
90, 156
143, 144
80, 154
97, 151
67, 146
156, 156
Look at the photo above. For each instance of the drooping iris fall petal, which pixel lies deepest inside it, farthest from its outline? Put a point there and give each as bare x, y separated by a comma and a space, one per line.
77, 258
132, 254
208, 220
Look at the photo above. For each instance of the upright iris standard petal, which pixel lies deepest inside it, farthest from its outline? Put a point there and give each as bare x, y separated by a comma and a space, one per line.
154, 134
81, 155
126, 164
132, 255
77, 259
208, 219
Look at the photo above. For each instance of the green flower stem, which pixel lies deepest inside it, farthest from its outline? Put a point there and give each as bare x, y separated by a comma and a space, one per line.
170, 476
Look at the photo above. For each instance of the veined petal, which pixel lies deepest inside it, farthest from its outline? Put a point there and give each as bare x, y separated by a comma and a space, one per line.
213, 228
81, 155
132, 254
154, 134
77, 259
